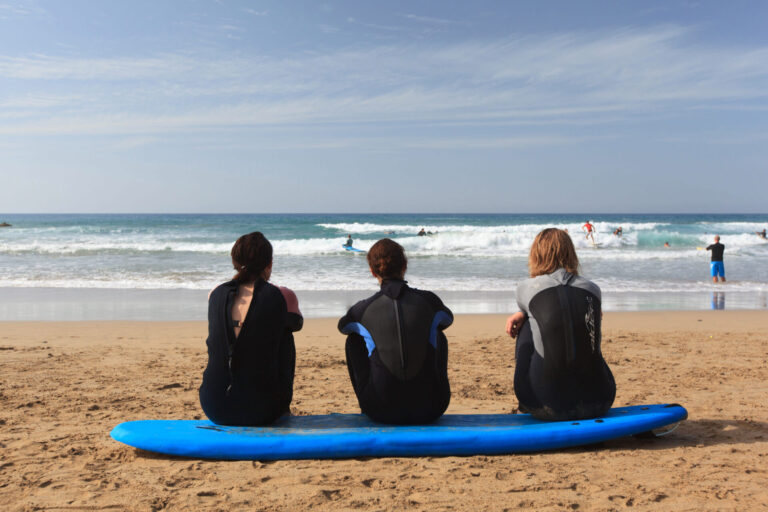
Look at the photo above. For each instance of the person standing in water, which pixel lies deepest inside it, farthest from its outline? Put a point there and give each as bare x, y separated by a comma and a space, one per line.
716, 266
589, 229
348, 243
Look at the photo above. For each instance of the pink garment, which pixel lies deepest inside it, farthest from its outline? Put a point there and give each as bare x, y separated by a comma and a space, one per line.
290, 300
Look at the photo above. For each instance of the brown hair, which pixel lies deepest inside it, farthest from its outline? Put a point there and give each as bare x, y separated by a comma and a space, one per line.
387, 259
251, 254
552, 249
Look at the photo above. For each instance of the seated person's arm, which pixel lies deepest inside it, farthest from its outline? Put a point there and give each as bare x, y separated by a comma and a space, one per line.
295, 319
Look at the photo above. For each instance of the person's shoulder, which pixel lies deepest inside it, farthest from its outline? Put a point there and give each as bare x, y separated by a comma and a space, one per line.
585, 284
361, 305
291, 300
222, 288
535, 282
428, 295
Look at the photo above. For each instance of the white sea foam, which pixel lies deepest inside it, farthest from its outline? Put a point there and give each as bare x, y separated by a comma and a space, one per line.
365, 283
412, 229
478, 242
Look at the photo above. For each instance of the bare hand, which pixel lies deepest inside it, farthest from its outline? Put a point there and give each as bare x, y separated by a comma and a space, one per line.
514, 323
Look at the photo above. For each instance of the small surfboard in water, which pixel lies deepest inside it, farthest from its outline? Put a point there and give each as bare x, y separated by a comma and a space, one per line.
354, 435
352, 249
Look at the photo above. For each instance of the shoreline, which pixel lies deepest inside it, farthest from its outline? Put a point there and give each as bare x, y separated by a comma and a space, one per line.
744, 320
65, 385
101, 304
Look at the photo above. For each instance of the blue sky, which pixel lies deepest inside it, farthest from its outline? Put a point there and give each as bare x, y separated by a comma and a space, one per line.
236, 106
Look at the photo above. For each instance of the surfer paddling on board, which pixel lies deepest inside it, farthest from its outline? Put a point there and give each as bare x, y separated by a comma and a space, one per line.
397, 354
251, 353
560, 373
589, 229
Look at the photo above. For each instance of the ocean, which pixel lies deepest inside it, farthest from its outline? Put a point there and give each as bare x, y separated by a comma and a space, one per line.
161, 266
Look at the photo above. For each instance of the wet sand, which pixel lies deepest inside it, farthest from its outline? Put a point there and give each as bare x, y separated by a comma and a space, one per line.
63, 386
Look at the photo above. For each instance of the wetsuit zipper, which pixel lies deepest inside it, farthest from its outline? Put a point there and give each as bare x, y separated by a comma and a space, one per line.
399, 334
570, 342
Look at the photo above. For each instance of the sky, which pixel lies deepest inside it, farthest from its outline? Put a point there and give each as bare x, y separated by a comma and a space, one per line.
351, 106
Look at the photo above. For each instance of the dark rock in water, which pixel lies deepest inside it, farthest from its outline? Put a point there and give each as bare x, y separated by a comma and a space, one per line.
4, 225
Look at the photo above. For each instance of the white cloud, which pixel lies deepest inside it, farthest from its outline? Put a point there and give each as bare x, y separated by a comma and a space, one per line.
582, 77
428, 19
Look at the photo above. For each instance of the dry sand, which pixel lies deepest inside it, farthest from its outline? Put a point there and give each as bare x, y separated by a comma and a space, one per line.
63, 386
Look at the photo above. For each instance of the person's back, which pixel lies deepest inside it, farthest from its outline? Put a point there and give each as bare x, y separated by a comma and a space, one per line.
569, 378
560, 372
251, 354
397, 354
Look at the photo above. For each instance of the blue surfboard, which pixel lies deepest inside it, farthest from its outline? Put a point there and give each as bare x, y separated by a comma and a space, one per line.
352, 249
354, 435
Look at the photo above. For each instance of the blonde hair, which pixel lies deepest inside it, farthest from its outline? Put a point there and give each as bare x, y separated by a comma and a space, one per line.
552, 249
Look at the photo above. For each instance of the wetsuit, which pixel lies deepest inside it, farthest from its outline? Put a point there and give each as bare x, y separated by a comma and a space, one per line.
249, 379
397, 354
348, 243
560, 373
716, 266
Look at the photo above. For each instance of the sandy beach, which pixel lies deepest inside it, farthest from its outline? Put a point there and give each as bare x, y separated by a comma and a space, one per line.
64, 386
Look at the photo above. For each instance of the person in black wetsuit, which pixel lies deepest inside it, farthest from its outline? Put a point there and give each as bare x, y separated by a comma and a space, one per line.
348, 243
716, 266
251, 353
397, 354
560, 373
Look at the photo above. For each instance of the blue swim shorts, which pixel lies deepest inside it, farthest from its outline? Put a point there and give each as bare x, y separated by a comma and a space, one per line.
717, 269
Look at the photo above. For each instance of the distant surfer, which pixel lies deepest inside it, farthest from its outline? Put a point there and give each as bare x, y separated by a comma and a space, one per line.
716, 266
589, 229
618, 231
348, 243
422, 232
761, 234
666, 244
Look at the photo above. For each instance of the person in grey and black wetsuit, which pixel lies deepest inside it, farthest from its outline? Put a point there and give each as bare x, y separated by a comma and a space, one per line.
560, 373
251, 353
397, 354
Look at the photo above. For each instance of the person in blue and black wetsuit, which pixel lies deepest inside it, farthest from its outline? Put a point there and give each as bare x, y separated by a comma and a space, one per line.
251, 353
397, 354
560, 373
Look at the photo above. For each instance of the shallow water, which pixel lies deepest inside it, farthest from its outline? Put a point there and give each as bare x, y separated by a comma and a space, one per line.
158, 266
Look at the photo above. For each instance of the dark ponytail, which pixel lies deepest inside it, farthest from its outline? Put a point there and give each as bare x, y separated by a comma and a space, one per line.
387, 259
251, 254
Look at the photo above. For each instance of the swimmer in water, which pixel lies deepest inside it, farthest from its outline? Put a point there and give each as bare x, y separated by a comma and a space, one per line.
560, 373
